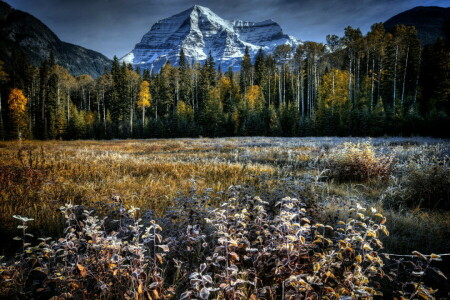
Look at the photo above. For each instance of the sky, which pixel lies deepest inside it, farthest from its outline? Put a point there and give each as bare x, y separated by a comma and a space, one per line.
113, 27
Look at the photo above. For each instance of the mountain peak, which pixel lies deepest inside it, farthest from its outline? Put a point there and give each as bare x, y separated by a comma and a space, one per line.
195, 11
199, 31
201, 8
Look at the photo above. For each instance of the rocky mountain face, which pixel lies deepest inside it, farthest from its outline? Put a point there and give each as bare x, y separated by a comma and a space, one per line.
199, 31
430, 22
21, 31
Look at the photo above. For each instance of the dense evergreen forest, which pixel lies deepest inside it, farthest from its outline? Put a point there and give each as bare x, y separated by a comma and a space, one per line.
375, 84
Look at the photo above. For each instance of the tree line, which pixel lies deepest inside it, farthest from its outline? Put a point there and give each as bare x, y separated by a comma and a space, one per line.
381, 83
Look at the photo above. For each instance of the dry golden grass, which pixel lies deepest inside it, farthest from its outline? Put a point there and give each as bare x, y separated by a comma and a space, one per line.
37, 177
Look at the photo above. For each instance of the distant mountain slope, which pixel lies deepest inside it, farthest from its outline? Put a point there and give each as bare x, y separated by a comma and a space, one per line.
20, 30
199, 31
429, 22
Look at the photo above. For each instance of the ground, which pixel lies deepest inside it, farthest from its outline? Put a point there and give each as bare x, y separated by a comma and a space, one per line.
405, 179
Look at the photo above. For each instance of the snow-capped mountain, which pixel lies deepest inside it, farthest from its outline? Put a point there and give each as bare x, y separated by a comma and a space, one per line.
199, 32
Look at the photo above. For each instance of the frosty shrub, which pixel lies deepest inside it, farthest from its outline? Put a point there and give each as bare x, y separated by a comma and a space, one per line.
358, 162
88, 262
420, 185
247, 248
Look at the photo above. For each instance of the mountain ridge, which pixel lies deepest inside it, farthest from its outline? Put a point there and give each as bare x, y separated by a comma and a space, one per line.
21, 31
199, 31
430, 22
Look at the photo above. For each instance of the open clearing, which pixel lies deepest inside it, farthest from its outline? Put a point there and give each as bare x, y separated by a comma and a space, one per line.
404, 179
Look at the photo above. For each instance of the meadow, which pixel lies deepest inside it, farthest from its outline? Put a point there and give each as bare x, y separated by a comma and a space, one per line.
228, 218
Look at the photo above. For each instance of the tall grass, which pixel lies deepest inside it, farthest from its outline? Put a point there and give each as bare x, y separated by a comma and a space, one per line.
189, 177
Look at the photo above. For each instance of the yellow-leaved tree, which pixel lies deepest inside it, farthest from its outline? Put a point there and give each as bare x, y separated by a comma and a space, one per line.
17, 104
334, 103
254, 97
334, 91
144, 99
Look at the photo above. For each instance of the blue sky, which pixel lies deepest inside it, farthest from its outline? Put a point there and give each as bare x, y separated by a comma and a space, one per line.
113, 27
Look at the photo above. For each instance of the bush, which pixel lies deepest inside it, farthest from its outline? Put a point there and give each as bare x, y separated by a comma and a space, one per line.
358, 162
246, 249
420, 186
89, 262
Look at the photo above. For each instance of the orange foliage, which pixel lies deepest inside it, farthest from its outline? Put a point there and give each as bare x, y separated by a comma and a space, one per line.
17, 101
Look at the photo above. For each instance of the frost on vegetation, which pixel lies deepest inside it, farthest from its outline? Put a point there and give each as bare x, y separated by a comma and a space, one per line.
420, 183
358, 162
248, 247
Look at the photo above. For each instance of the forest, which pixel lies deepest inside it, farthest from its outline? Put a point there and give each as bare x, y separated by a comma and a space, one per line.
380, 83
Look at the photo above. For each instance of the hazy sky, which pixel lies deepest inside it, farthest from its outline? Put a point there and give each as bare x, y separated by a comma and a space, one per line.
113, 27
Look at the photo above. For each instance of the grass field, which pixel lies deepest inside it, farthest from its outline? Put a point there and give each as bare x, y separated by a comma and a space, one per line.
404, 179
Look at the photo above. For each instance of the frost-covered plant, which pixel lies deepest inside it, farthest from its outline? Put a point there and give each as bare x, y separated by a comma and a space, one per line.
358, 162
88, 262
420, 184
247, 248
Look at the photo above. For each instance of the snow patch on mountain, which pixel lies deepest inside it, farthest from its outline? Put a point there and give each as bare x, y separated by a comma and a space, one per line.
199, 31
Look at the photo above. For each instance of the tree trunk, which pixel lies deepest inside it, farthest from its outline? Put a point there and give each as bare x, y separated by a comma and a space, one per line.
68, 105
332, 89
372, 84
356, 90
156, 108
350, 82
104, 110
380, 70
417, 79
280, 100
404, 78
298, 92
395, 79
308, 86
143, 119
302, 94
131, 118
269, 87
98, 107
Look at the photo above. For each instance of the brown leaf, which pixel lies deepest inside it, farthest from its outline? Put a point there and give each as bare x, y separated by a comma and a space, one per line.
418, 254
155, 294
83, 271
160, 258
234, 255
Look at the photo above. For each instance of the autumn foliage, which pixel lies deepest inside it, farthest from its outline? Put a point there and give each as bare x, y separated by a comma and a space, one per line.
17, 101
144, 96
17, 105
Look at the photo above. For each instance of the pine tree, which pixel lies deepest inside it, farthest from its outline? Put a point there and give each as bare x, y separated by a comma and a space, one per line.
183, 63
51, 112
260, 68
